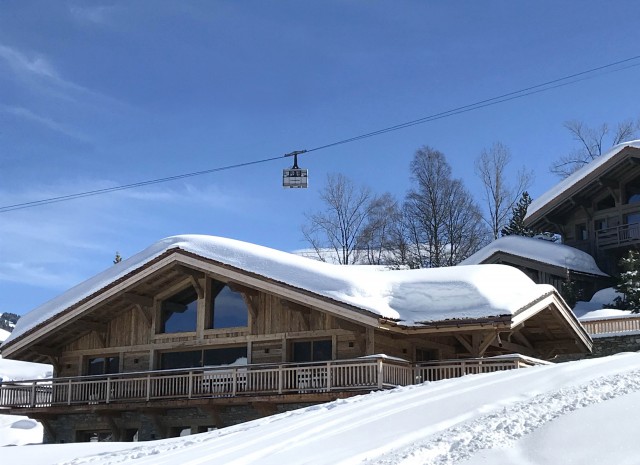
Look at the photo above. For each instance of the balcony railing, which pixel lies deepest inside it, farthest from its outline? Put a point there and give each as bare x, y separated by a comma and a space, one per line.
364, 374
612, 325
618, 235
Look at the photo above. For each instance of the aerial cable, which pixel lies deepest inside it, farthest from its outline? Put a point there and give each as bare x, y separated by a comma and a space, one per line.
543, 87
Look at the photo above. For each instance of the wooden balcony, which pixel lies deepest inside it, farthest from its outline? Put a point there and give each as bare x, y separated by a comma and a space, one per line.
610, 325
358, 375
618, 236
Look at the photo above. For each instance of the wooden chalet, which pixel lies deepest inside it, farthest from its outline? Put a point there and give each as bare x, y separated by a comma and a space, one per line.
199, 332
597, 208
545, 262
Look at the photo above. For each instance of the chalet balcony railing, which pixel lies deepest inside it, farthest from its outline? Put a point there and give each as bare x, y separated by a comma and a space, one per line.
618, 235
365, 374
612, 325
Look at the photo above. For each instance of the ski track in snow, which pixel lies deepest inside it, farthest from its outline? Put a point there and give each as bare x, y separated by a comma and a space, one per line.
500, 429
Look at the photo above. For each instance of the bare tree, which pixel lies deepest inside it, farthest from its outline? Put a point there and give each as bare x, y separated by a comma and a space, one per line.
378, 239
445, 221
500, 196
339, 226
591, 142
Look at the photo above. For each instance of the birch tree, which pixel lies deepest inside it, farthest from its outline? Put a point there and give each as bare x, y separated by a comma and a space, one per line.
500, 195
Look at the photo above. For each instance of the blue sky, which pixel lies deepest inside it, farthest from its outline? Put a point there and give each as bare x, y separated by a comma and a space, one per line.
102, 93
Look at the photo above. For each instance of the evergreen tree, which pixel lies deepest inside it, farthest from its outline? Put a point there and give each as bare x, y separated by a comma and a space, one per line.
629, 282
516, 223
117, 258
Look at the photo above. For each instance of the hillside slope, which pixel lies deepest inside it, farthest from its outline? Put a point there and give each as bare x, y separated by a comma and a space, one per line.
492, 418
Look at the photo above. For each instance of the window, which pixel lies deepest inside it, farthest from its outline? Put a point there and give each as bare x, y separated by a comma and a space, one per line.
103, 365
228, 308
179, 313
600, 224
312, 351
207, 357
581, 232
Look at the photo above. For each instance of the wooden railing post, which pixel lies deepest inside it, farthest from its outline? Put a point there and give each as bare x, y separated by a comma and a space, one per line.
69, 393
33, 394
380, 374
148, 387
189, 395
280, 379
235, 382
328, 376
108, 396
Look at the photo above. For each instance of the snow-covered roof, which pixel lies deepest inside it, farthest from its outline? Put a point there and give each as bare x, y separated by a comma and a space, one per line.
539, 250
409, 296
567, 183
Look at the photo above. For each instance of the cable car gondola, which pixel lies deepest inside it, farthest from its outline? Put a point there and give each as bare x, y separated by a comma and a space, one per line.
295, 176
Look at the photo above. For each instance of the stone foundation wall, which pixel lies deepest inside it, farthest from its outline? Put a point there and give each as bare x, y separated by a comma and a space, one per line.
150, 425
604, 346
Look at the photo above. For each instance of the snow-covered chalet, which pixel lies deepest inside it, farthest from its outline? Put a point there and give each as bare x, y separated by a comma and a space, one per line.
200, 332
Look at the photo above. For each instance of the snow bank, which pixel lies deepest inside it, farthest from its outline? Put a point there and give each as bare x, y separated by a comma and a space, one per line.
576, 177
540, 250
409, 296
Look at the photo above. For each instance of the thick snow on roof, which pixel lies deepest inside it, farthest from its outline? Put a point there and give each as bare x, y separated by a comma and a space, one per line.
540, 250
574, 178
410, 296
599, 307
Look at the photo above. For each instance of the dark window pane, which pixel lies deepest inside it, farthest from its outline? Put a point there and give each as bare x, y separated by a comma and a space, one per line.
103, 365
225, 356
322, 350
179, 312
112, 365
96, 366
229, 309
174, 360
302, 351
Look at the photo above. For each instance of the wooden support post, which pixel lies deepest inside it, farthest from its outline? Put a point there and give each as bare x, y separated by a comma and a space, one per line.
370, 341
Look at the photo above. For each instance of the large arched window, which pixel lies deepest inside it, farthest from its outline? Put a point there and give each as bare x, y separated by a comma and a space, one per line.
228, 309
179, 313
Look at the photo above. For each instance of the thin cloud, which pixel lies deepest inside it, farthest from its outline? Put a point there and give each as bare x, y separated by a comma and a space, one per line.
22, 64
100, 14
49, 123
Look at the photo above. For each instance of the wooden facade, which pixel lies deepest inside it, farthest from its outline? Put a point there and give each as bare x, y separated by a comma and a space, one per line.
599, 212
113, 350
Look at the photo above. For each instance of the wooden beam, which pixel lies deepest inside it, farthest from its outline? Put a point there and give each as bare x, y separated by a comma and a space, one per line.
55, 361
489, 338
237, 287
370, 341
46, 351
522, 339
265, 409
101, 338
517, 348
136, 299
466, 344
251, 305
93, 325
144, 312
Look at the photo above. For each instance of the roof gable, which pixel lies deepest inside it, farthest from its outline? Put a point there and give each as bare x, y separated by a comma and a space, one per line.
569, 186
543, 251
408, 296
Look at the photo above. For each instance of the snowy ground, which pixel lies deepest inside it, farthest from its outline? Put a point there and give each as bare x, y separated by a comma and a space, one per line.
574, 413
17, 430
